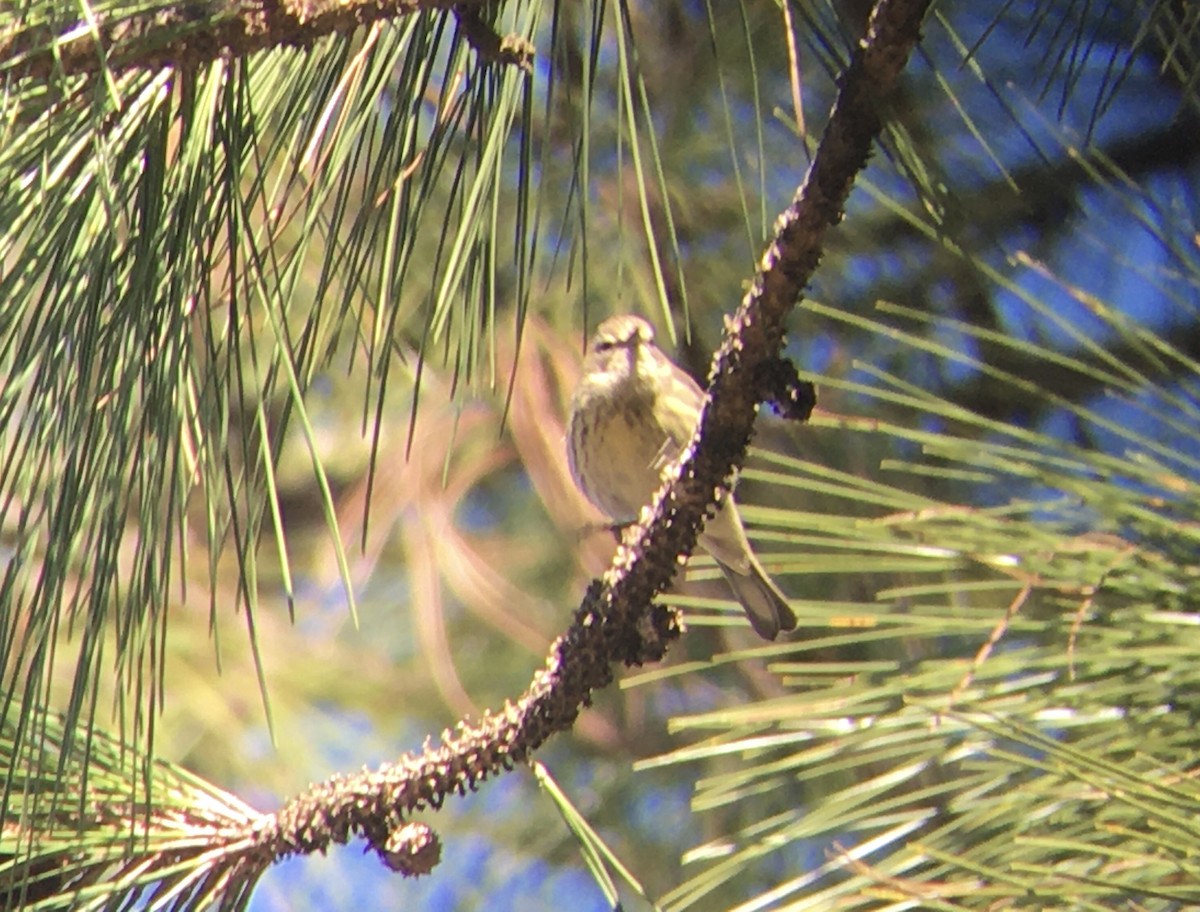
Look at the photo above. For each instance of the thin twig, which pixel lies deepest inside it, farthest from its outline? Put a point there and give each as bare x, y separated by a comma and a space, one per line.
511, 50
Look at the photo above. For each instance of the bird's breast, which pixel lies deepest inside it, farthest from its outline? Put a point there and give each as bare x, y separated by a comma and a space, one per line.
619, 451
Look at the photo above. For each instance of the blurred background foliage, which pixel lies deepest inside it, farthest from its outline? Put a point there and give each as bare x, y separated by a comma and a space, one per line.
286, 344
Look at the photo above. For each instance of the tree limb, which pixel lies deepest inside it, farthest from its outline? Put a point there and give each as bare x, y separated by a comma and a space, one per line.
614, 622
194, 32
617, 620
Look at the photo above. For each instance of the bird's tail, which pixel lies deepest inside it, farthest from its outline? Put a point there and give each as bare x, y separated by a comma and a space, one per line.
765, 605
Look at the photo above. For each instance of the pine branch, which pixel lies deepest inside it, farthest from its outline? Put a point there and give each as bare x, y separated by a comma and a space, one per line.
192, 33
613, 624
616, 621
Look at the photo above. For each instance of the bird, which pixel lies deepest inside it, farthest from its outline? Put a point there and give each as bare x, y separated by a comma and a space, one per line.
631, 414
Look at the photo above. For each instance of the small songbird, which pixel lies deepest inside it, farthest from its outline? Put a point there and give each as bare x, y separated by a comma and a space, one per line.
632, 414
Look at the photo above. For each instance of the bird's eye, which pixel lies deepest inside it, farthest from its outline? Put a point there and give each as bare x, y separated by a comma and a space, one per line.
603, 345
